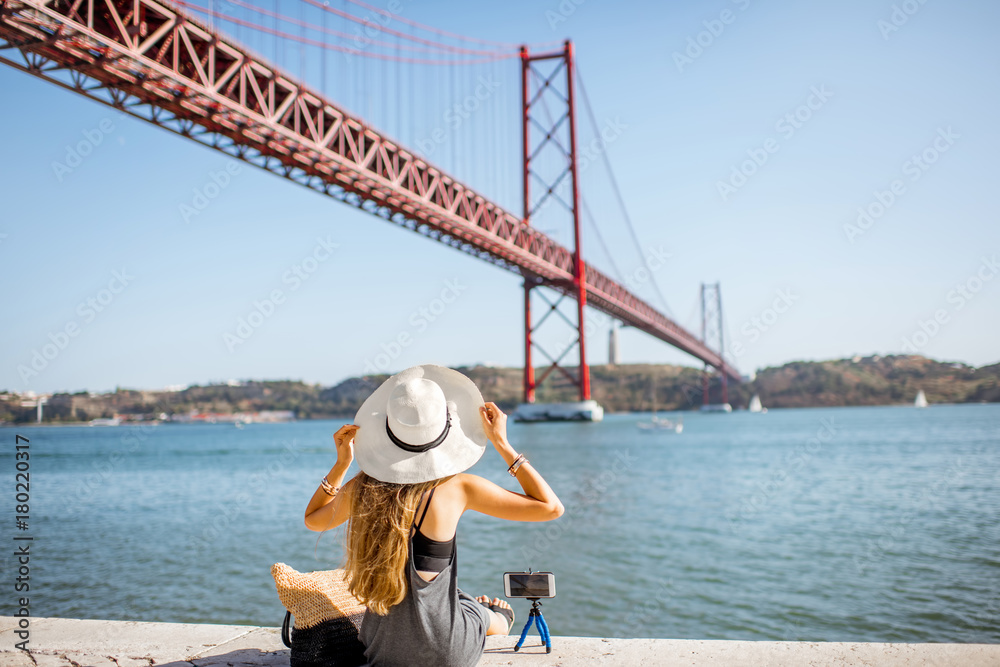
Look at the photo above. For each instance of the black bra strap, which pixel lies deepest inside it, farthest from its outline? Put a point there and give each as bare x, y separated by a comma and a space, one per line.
426, 505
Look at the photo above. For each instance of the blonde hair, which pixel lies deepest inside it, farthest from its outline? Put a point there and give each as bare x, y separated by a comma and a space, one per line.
378, 534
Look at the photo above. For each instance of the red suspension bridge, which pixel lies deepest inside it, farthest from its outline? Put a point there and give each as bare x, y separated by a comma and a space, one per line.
155, 61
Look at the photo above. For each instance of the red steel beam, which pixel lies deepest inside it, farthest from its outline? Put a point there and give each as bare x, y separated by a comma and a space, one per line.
151, 60
579, 269
529, 369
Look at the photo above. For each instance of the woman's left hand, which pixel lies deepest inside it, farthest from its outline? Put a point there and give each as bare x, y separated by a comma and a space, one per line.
344, 439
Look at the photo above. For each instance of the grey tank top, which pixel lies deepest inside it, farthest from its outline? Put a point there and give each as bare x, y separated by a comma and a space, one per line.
436, 624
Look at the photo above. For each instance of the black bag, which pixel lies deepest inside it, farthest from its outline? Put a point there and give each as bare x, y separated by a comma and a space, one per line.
332, 643
327, 618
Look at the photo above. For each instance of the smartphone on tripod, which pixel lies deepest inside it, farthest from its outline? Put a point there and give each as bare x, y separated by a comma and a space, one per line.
529, 584
533, 586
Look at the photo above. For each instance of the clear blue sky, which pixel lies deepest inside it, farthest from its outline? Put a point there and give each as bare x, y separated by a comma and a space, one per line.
885, 96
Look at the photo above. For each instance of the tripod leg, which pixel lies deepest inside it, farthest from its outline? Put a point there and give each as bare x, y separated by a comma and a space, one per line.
543, 630
524, 633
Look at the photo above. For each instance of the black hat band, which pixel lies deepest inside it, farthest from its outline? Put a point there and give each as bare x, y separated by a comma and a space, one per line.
416, 449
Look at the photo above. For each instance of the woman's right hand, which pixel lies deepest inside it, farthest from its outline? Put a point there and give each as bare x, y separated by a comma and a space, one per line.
344, 440
495, 424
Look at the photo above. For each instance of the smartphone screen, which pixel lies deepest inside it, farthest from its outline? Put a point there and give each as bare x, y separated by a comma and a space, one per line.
533, 585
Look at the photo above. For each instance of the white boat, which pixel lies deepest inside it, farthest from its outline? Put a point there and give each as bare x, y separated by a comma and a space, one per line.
755, 405
921, 400
717, 407
106, 422
660, 423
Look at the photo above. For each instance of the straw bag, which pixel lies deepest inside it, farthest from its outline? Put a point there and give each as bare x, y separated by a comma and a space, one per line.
327, 618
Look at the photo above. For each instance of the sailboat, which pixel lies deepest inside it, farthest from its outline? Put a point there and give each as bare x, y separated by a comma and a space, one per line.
660, 423
921, 400
755, 405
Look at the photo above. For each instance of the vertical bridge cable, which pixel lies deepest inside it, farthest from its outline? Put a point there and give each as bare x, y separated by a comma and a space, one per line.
618, 194
597, 232
586, 209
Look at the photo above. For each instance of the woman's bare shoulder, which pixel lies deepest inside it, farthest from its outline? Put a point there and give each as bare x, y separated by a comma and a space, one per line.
463, 485
467, 481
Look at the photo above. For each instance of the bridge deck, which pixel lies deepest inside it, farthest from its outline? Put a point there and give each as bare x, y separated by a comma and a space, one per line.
154, 61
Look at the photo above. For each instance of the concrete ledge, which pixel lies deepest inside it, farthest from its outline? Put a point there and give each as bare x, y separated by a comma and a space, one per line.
57, 642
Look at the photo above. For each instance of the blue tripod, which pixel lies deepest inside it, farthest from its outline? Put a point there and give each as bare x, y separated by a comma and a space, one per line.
535, 616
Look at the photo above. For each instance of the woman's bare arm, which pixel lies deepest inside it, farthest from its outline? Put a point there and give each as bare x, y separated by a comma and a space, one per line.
538, 502
486, 497
325, 511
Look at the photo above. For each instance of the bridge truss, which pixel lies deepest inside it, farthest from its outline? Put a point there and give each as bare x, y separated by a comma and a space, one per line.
152, 60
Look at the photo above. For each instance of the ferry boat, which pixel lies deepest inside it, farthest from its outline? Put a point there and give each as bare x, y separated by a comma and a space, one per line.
576, 411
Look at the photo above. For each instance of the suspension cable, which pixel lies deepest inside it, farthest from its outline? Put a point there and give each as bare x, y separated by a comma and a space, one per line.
421, 26
618, 194
497, 55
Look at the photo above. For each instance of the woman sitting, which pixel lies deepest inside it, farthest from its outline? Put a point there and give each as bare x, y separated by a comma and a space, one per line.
412, 439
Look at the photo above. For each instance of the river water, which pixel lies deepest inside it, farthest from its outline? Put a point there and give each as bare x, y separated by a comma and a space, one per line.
863, 524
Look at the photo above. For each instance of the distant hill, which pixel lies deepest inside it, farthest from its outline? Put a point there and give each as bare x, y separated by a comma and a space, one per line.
876, 381
621, 388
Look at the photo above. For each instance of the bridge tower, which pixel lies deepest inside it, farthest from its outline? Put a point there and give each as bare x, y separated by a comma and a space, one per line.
712, 335
549, 156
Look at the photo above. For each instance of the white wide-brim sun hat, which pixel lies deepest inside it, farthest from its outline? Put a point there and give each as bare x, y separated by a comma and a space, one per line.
420, 425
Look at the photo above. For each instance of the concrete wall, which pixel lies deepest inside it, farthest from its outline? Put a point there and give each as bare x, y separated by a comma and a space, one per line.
73, 642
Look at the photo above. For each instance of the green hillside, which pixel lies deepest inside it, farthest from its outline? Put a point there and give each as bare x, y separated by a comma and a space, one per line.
629, 387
